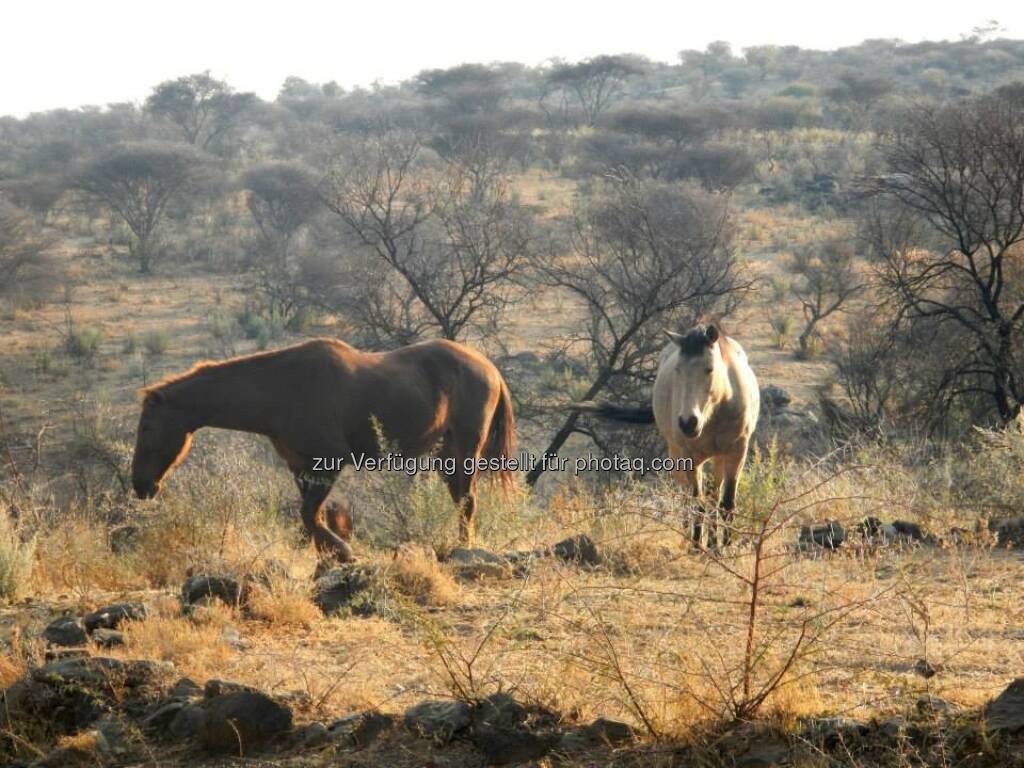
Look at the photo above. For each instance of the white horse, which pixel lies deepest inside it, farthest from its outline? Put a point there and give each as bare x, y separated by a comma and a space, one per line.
706, 403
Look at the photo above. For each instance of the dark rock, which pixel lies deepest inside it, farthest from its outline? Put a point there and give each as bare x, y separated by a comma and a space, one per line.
912, 532
611, 731
65, 631
69, 695
831, 732
312, 735
478, 563
112, 616
579, 549
236, 722
361, 729
503, 746
924, 668
800, 602
185, 688
1009, 532
898, 729
161, 718
205, 586
107, 638
933, 705
499, 710
125, 539
216, 687
829, 535
335, 590
1006, 711
765, 752
774, 398
438, 720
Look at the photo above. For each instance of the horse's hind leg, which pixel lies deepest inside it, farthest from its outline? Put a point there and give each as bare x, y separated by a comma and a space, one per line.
315, 490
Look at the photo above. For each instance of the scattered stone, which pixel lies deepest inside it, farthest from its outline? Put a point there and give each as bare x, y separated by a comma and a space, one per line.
215, 688
924, 668
107, 638
503, 746
335, 590
611, 731
898, 729
579, 549
1006, 711
361, 729
831, 732
111, 616
765, 752
774, 398
164, 715
933, 705
912, 532
438, 720
67, 631
829, 535
312, 735
233, 638
185, 688
1009, 532
204, 586
125, 539
478, 563
236, 722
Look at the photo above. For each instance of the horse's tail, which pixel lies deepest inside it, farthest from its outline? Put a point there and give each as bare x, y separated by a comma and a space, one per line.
629, 414
501, 441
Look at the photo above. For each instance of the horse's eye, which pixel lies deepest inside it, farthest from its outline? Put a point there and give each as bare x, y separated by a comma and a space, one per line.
709, 370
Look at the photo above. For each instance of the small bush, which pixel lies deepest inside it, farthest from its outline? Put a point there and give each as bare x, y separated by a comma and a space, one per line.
782, 329
16, 558
156, 342
83, 344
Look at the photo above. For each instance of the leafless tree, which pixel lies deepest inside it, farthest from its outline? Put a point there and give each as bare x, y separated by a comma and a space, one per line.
281, 198
958, 170
827, 279
455, 241
643, 256
138, 181
25, 267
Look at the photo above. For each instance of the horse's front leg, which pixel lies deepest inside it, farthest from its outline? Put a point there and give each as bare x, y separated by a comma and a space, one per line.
732, 467
691, 477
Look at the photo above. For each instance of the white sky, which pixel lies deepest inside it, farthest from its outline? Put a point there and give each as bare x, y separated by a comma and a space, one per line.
67, 53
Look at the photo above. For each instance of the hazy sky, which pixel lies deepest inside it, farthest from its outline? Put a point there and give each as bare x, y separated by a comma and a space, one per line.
73, 52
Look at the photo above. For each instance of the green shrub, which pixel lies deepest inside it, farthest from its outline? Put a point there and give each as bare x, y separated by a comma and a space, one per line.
156, 342
83, 344
16, 558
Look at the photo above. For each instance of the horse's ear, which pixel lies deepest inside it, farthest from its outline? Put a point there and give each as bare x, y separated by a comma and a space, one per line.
712, 334
674, 337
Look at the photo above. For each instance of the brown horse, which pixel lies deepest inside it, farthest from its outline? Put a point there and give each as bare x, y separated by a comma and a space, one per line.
321, 403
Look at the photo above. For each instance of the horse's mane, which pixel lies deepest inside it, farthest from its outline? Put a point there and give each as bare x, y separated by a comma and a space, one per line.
206, 365
695, 341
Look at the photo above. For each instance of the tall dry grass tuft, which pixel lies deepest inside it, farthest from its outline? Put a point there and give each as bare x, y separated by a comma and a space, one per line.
197, 647
17, 555
416, 573
284, 602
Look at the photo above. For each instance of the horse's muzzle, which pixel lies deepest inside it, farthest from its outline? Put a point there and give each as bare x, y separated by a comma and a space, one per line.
689, 427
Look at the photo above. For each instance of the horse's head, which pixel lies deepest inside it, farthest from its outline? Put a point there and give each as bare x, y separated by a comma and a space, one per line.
700, 379
163, 442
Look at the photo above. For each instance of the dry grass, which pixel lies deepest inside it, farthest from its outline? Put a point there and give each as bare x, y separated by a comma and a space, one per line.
196, 647
417, 575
